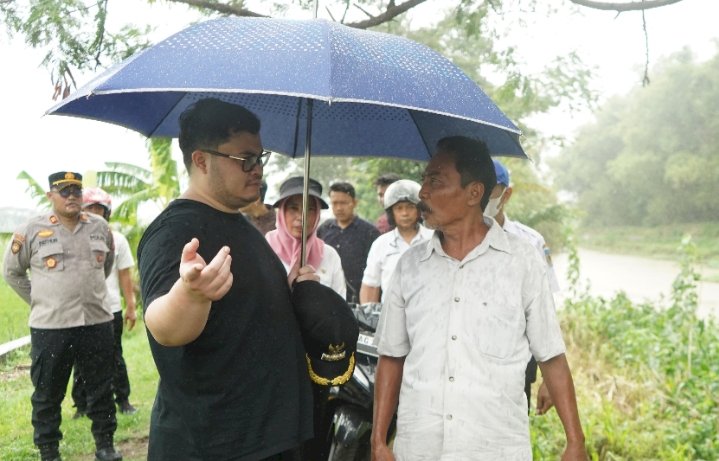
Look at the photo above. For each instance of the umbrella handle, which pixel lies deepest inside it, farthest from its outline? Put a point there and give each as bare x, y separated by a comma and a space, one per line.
306, 182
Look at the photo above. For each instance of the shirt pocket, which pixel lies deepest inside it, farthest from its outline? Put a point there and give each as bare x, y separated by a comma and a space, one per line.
498, 327
99, 251
52, 257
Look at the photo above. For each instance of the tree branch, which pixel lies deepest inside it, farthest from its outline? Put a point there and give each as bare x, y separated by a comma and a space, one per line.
390, 13
219, 7
645, 80
624, 6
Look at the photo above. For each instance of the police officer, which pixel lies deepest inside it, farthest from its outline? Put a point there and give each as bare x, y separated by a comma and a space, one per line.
69, 253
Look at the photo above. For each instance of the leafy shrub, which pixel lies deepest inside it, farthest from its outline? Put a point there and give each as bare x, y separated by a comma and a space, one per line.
647, 377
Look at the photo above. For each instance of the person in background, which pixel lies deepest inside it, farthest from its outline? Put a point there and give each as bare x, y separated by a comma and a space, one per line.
286, 239
501, 194
381, 185
69, 254
261, 215
400, 203
464, 313
99, 203
350, 235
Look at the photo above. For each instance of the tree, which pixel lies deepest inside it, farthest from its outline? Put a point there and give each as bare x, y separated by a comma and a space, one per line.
135, 185
651, 156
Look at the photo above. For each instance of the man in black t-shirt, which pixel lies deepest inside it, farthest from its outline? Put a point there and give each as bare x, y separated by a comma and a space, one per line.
233, 378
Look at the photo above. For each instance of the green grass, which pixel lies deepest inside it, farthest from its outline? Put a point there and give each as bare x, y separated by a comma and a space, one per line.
77, 443
657, 242
14, 314
646, 377
646, 383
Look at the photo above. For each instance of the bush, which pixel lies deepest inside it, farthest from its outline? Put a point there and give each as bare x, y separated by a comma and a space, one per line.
647, 378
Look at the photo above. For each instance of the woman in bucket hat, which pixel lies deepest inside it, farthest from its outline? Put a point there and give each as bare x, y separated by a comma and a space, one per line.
286, 239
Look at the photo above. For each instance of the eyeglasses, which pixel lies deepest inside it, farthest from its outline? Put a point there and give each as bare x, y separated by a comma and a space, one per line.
65, 192
249, 162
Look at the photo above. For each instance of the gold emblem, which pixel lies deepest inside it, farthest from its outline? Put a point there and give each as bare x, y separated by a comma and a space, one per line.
69, 175
51, 262
335, 353
337, 380
15, 248
45, 233
53, 219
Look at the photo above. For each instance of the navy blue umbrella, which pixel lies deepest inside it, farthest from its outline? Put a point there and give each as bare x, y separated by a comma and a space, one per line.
317, 86
374, 94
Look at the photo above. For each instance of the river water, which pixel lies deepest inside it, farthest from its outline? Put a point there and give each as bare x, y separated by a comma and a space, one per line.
642, 279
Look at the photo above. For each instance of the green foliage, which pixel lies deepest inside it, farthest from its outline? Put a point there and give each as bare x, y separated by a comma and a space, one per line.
14, 313
646, 376
133, 186
74, 34
651, 157
35, 190
364, 173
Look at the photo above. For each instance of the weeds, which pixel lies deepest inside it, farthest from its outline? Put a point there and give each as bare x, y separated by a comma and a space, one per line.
647, 378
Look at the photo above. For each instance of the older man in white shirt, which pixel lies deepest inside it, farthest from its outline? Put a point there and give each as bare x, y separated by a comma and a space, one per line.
463, 315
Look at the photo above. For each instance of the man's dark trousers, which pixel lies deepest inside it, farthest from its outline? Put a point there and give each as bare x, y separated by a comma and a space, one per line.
53, 354
120, 380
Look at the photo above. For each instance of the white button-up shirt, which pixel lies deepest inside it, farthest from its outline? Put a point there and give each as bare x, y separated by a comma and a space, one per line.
537, 241
467, 329
384, 254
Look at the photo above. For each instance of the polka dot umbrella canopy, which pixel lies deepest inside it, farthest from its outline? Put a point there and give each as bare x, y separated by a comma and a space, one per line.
364, 93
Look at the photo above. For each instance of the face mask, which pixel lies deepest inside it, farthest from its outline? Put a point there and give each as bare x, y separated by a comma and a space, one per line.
493, 206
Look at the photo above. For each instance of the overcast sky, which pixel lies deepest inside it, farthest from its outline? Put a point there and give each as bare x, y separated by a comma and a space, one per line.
42, 145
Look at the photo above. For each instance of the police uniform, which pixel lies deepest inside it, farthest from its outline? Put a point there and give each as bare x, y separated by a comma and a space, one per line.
68, 319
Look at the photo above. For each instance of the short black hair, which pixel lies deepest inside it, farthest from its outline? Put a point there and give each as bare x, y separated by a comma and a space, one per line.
386, 179
343, 187
210, 122
472, 161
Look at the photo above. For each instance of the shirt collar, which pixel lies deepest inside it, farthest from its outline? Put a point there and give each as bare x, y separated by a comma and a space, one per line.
419, 236
495, 238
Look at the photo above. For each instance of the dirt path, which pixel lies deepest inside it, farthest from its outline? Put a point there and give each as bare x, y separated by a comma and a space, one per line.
643, 279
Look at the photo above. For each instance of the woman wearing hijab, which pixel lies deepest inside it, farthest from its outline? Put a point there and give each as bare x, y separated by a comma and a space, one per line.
286, 239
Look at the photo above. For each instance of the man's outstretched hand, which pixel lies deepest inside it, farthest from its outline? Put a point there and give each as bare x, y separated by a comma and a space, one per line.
209, 281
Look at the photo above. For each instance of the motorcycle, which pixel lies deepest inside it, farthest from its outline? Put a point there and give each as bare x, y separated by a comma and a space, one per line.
350, 405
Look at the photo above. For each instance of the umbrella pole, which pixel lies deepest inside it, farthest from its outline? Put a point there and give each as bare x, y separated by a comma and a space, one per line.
306, 188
